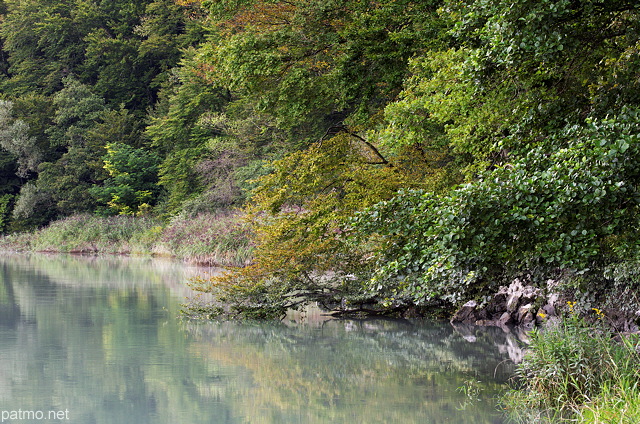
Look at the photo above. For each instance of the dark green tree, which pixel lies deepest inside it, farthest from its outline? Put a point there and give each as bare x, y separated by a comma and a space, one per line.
180, 130
81, 127
44, 43
129, 54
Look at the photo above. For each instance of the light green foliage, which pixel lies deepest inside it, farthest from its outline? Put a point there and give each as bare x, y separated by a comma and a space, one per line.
77, 109
514, 72
443, 107
132, 184
30, 200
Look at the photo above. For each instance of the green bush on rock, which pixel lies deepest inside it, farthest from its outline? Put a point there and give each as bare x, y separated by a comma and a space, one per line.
569, 208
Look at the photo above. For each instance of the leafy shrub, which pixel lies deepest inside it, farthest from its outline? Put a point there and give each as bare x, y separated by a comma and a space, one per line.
132, 185
569, 207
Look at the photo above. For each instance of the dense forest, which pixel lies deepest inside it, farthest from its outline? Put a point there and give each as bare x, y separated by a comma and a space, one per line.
387, 155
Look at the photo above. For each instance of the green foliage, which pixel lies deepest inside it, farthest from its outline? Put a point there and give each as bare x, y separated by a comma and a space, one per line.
553, 210
178, 129
138, 40
36, 111
5, 211
515, 72
30, 200
495, 91
9, 181
309, 64
80, 128
123, 48
442, 107
550, 43
68, 180
306, 81
64, 177
72, 56
616, 403
77, 109
44, 43
15, 138
300, 253
132, 184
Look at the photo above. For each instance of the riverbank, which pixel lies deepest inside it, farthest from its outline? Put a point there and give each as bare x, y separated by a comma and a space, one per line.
574, 371
582, 364
577, 370
207, 239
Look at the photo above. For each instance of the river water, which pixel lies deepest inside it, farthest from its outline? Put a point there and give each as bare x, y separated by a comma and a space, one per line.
99, 340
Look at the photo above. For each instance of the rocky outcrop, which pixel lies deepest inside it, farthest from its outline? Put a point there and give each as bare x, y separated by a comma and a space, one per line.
514, 305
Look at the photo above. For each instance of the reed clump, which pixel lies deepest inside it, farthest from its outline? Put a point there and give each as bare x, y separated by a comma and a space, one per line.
207, 239
577, 371
90, 234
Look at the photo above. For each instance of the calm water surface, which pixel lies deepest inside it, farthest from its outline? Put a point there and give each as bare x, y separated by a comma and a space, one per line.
99, 340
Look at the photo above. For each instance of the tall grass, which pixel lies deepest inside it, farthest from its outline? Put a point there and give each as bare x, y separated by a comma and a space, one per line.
91, 234
618, 404
577, 372
206, 239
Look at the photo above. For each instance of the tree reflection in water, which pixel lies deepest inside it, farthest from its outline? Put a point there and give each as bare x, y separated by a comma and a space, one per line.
373, 371
101, 337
